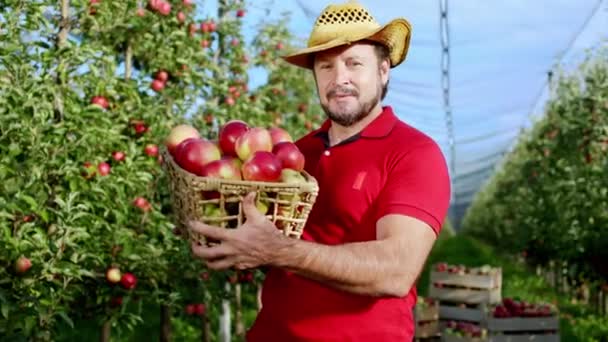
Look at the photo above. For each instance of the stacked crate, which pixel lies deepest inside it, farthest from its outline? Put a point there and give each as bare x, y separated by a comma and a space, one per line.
519, 321
464, 294
426, 315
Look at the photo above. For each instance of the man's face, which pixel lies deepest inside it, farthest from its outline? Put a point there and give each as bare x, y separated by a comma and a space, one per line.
349, 82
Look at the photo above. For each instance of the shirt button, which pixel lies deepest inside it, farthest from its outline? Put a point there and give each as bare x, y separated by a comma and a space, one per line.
326, 153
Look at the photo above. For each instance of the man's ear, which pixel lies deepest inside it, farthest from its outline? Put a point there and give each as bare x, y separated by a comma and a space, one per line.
385, 68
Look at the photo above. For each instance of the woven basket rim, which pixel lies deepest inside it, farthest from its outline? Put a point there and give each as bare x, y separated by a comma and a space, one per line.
311, 184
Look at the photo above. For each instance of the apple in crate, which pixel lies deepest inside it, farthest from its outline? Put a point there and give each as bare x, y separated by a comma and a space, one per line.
178, 134
263, 166
279, 135
229, 134
289, 155
194, 154
256, 139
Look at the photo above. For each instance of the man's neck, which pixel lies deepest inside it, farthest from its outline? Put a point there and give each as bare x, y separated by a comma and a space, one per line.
338, 133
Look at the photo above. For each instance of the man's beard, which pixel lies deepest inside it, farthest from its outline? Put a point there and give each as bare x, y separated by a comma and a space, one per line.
349, 118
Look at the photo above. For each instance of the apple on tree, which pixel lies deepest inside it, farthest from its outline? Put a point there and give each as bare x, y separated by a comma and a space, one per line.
22, 265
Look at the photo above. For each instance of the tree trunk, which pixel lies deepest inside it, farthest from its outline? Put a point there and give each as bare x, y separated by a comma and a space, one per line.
240, 326
205, 328
106, 329
128, 61
165, 323
224, 321
62, 37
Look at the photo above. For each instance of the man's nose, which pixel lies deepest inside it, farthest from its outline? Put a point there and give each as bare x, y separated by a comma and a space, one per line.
341, 74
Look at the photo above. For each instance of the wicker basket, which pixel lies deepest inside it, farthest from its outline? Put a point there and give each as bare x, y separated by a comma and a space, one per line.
218, 201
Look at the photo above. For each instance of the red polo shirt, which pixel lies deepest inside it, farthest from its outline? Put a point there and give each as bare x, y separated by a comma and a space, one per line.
388, 168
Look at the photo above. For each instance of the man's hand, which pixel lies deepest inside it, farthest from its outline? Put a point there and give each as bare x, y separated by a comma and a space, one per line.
255, 243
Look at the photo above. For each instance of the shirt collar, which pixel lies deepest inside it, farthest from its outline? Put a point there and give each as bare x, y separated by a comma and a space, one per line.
380, 127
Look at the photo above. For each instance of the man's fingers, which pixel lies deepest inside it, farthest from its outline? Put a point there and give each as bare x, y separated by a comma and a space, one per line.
211, 232
250, 209
210, 253
221, 264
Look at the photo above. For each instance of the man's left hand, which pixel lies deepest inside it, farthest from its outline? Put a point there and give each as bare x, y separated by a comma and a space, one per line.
251, 245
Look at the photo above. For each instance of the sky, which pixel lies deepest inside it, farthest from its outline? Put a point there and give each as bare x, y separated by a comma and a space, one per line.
500, 56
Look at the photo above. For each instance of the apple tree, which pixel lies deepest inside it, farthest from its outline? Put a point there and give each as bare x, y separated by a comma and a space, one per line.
548, 201
88, 91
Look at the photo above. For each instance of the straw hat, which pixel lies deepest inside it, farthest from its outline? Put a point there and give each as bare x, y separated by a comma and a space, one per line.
348, 23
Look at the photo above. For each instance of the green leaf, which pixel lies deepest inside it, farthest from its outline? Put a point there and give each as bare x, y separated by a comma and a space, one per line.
4, 307
66, 318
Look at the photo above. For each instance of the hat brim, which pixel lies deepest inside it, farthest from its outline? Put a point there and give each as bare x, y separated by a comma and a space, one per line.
395, 35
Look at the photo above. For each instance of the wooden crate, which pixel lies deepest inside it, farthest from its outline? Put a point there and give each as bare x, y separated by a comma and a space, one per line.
427, 312
521, 329
462, 312
427, 329
454, 338
468, 288
426, 315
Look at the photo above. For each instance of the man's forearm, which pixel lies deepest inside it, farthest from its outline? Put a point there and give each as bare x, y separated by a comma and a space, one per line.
369, 268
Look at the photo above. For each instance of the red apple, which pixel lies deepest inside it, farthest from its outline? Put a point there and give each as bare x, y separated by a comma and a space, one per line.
204, 276
240, 13
229, 134
212, 26
235, 42
113, 275
142, 203
151, 150
118, 156
230, 101
140, 12
139, 127
100, 101
441, 267
222, 168
103, 169
181, 17
128, 281
162, 76
190, 309
279, 135
199, 309
254, 140
204, 43
164, 8
289, 155
155, 4
196, 153
262, 166
188, 2
178, 134
22, 265
157, 85
116, 301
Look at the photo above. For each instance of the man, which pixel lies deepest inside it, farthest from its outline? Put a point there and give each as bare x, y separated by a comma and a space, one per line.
384, 193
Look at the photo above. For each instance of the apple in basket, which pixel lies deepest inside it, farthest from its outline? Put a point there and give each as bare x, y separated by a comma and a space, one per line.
228, 135
279, 135
262, 166
194, 154
256, 139
178, 134
289, 155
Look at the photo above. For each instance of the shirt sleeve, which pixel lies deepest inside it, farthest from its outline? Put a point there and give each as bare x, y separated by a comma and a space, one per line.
418, 185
